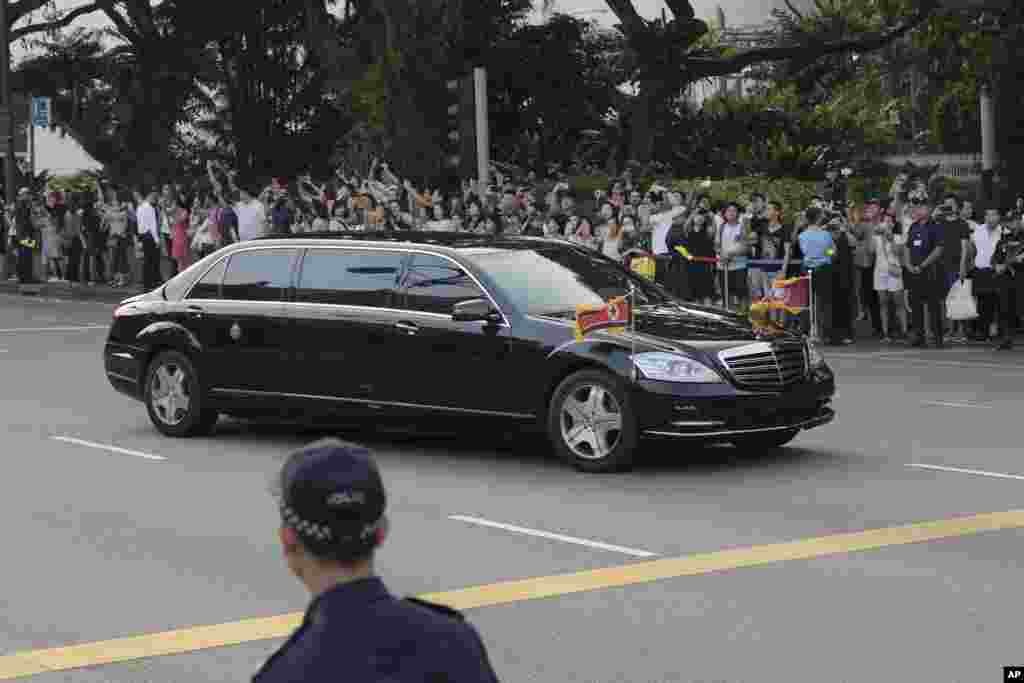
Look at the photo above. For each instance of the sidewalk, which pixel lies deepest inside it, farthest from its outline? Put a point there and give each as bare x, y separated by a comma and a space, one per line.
66, 290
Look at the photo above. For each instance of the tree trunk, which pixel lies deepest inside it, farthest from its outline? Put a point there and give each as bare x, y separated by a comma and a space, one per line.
1010, 121
643, 121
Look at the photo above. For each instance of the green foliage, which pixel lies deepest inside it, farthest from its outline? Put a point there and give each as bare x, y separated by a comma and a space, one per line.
552, 87
795, 195
370, 95
69, 184
586, 185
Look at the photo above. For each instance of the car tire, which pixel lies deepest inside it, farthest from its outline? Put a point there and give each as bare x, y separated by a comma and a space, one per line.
591, 422
767, 442
174, 397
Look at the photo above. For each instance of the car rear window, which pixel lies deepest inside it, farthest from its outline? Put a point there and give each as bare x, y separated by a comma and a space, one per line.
259, 275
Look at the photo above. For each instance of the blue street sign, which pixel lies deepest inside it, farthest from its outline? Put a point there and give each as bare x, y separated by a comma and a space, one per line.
41, 112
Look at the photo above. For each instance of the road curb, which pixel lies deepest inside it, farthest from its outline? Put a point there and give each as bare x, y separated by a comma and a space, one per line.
65, 290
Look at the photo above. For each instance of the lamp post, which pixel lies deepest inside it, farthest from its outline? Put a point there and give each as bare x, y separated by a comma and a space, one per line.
6, 106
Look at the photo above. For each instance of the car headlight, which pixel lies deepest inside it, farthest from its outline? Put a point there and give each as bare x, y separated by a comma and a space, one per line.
815, 358
671, 367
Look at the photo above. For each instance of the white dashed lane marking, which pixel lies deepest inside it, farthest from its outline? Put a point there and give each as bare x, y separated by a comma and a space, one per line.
961, 470
952, 404
554, 537
107, 447
78, 328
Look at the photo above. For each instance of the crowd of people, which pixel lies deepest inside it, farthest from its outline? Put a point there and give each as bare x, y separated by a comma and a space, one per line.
889, 261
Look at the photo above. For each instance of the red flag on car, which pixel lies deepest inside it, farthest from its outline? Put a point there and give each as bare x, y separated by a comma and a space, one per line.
613, 315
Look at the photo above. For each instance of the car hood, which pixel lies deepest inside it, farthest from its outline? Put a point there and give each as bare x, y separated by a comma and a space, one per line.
682, 327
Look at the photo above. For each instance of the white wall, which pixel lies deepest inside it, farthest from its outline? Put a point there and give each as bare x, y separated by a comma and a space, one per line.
61, 156
737, 12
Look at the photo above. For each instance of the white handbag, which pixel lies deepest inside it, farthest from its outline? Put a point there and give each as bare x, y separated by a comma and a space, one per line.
960, 303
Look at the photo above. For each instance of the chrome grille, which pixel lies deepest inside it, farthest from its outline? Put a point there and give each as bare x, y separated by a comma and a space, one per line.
766, 365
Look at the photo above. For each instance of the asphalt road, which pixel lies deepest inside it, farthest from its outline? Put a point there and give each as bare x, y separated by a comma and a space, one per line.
103, 545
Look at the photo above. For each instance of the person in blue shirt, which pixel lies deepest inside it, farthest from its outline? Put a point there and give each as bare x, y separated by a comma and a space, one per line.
925, 273
332, 503
818, 247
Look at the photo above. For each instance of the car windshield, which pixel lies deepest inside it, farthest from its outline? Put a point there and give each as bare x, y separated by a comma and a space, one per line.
554, 280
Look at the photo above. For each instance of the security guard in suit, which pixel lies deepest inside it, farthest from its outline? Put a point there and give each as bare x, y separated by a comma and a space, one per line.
332, 502
1008, 261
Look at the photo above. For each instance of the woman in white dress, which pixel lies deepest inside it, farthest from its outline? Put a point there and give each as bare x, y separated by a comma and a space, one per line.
46, 222
888, 277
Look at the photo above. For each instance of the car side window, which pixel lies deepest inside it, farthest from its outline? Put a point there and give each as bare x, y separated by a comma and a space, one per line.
350, 278
434, 285
259, 275
209, 286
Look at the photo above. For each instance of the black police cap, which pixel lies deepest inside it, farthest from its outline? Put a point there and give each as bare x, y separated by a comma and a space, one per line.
332, 495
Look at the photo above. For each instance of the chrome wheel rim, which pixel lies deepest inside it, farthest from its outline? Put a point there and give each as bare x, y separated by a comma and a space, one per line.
591, 422
168, 391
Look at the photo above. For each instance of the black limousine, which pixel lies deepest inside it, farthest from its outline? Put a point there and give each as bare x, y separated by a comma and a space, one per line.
421, 324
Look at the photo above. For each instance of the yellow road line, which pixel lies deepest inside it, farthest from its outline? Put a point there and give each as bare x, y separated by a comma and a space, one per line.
179, 641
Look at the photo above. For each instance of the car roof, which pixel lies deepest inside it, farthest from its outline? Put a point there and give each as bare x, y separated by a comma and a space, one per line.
455, 242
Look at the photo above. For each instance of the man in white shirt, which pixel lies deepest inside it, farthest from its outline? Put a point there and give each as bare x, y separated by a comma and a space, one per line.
252, 215
149, 235
661, 223
984, 239
733, 249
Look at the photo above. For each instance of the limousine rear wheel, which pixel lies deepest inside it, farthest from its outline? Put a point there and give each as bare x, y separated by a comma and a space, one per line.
174, 396
591, 422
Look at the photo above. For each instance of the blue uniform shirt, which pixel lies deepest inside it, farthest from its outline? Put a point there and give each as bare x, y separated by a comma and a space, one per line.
922, 239
817, 247
360, 632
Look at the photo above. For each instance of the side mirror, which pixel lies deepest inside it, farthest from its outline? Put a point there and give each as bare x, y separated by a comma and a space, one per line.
474, 310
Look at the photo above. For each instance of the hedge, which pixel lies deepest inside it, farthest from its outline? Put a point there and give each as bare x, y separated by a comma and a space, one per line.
794, 194
68, 184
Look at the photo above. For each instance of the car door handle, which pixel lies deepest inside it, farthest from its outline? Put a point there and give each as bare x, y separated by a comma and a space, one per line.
195, 311
408, 328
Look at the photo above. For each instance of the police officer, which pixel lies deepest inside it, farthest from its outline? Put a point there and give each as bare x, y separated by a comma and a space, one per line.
332, 502
925, 274
1008, 261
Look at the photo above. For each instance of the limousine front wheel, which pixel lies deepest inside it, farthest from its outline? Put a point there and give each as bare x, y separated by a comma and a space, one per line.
174, 398
591, 422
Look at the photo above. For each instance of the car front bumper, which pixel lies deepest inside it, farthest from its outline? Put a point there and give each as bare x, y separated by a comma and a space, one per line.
722, 411
123, 366
706, 433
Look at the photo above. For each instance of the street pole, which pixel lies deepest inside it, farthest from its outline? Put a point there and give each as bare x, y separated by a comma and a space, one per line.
483, 141
31, 146
7, 134
988, 139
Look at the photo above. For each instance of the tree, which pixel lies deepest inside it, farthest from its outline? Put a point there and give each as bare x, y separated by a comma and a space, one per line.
27, 18
125, 103
170, 85
551, 84
669, 55
275, 116
961, 49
